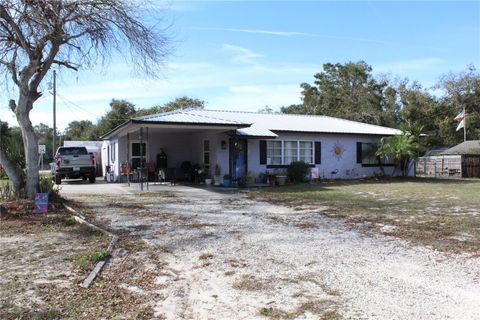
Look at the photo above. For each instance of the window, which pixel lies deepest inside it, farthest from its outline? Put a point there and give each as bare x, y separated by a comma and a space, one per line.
290, 151
285, 152
366, 155
112, 152
274, 152
306, 151
138, 154
206, 153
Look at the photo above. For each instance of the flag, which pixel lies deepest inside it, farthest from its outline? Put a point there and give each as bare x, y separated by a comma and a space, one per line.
461, 124
460, 116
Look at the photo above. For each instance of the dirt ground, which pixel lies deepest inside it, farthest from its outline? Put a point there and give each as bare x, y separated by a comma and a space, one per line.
192, 253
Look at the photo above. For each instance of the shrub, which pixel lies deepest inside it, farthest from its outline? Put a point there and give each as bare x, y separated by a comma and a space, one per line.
298, 171
46, 185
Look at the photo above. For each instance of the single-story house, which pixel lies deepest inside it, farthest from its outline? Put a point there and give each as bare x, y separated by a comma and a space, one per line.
245, 142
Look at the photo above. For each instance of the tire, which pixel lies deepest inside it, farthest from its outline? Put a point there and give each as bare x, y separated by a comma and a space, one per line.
84, 178
58, 179
91, 177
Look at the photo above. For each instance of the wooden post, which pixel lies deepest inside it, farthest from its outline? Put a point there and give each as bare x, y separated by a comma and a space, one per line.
140, 172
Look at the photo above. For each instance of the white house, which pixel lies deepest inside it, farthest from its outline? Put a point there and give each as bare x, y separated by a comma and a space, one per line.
241, 142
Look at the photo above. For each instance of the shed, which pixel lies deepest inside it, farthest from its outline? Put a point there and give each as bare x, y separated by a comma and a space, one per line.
470, 157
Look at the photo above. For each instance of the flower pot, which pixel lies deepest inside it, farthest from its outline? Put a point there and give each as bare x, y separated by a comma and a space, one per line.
281, 180
208, 182
227, 183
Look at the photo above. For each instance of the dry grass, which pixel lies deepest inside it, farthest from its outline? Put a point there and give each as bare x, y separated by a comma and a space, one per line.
442, 214
324, 309
250, 283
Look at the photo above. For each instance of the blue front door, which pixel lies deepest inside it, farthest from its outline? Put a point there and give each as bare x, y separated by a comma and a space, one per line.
238, 158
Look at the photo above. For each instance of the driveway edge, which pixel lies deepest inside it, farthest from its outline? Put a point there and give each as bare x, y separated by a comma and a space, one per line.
114, 238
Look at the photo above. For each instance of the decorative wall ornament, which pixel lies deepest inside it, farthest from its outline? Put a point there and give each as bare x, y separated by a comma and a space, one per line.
337, 150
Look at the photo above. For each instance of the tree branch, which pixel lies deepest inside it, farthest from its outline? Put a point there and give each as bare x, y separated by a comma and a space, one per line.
66, 64
8, 19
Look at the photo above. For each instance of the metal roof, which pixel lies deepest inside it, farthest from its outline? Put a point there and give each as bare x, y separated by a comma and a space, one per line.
297, 123
188, 116
256, 124
467, 147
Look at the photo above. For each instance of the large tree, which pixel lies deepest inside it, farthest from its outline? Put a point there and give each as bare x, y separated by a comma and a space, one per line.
80, 130
37, 34
348, 91
120, 111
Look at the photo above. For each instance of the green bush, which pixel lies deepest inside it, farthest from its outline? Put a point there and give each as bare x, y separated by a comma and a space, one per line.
46, 185
298, 171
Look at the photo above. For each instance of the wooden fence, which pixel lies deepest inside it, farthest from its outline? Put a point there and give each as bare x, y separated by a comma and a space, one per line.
439, 166
470, 166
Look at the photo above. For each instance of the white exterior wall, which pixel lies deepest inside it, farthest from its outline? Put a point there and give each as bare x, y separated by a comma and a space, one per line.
346, 166
181, 147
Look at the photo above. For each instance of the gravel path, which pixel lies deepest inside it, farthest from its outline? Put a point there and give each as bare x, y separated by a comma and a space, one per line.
228, 257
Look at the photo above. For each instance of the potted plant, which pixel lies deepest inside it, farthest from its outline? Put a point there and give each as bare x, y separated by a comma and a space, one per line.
280, 177
245, 179
208, 177
217, 174
227, 182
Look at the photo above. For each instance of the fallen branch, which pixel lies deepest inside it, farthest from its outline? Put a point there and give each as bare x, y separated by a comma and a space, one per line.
98, 267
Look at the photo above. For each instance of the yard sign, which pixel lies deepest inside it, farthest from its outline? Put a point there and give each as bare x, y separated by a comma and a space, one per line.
41, 202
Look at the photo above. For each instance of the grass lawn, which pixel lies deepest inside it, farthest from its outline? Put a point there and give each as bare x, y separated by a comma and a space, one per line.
444, 214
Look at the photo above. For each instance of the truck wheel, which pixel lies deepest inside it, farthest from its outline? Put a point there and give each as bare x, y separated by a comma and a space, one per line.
58, 179
91, 177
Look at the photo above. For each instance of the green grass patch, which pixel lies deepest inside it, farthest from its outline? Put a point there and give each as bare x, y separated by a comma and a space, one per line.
84, 260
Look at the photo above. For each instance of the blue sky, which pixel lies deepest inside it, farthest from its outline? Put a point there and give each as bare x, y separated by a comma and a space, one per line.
245, 55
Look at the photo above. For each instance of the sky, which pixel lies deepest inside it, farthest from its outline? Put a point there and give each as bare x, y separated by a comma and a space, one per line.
245, 55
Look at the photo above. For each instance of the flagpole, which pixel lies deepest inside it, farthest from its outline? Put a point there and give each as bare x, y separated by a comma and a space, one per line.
464, 125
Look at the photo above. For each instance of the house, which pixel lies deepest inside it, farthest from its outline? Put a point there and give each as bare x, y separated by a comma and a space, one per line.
241, 142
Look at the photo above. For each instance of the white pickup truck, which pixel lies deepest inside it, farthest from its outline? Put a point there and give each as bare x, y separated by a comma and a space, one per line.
73, 162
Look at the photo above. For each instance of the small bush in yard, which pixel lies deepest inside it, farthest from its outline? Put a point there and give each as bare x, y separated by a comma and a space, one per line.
298, 171
46, 185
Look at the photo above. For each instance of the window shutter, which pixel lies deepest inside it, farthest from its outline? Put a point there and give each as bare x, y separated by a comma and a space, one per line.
263, 152
359, 152
318, 152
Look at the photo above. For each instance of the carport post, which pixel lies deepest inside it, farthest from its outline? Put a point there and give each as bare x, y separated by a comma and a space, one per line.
128, 155
146, 148
140, 171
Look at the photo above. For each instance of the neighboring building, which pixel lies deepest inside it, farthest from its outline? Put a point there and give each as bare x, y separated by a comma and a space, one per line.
469, 148
241, 142
462, 160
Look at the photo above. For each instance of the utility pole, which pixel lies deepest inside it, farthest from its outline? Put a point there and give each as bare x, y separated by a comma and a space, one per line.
54, 110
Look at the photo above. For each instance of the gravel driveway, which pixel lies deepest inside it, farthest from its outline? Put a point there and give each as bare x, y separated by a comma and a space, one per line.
224, 256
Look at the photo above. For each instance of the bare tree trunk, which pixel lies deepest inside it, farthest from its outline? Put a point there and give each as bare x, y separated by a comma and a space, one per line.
30, 144
11, 171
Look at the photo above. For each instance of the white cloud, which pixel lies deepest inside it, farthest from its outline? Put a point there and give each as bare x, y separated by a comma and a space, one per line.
242, 55
259, 31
